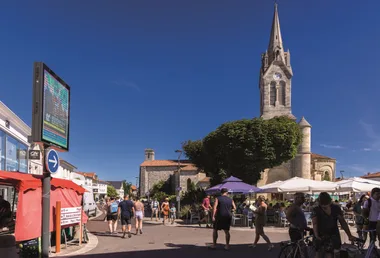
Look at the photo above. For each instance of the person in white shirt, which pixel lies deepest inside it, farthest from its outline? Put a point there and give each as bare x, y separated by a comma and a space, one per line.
155, 207
371, 211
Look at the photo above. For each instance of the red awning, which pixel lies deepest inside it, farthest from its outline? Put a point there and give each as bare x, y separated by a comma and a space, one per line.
25, 182
29, 208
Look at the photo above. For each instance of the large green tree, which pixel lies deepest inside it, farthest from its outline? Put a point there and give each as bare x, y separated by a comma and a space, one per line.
245, 148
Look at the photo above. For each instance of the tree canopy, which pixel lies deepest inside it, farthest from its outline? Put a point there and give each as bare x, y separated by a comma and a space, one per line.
127, 187
245, 148
111, 191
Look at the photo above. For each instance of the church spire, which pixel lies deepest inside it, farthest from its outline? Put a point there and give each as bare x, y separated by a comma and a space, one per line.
275, 48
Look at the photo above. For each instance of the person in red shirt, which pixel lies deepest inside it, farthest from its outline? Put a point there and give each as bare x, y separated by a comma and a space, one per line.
206, 207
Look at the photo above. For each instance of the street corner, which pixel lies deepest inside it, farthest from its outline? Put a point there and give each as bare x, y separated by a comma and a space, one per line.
74, 249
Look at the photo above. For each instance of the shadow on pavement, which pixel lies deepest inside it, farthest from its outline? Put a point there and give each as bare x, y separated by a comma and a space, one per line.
192, 251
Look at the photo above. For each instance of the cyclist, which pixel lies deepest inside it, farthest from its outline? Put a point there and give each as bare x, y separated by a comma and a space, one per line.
297, 221
325, 226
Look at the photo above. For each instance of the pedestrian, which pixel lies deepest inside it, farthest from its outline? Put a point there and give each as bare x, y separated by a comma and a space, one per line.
173, 212
222, 217
139, 209
206, 207
125, 212
165, 209
155, 207
112, 208
371, 212
260, 220
359, 219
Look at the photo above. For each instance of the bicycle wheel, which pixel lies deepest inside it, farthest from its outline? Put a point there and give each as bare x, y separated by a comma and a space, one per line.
288, 251
372, 252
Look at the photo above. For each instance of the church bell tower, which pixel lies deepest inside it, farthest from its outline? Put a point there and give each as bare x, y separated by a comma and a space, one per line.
275, 76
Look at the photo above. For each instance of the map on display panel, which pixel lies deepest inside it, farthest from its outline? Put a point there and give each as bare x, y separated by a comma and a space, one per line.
55, 111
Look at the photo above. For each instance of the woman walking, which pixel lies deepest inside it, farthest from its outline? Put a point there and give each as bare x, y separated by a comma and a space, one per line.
165, 209
359, 219
260, 221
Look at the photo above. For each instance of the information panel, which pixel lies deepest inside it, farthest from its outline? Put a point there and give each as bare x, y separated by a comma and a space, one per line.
55, 126
71, 216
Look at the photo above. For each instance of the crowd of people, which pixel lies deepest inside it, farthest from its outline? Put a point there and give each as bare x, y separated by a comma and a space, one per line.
326, 216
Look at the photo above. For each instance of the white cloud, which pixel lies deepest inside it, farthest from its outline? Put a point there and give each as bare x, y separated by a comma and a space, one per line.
374, 137
331, 146
127, 84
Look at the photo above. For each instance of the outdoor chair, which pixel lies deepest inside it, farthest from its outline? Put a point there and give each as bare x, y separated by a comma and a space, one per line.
194, 216
249, 219
237, 217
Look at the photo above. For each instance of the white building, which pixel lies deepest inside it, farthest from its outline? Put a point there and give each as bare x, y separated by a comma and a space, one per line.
65, 170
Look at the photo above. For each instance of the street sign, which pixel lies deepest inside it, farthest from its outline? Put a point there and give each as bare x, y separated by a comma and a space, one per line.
52, 161
34, 155
51, 108
71, 216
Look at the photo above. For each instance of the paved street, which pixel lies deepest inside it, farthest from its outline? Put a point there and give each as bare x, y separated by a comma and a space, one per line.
163, 241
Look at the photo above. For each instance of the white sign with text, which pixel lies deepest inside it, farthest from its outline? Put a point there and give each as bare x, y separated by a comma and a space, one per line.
71, 215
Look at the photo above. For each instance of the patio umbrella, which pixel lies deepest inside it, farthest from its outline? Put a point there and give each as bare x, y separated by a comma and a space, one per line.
297, 184
234, 185
357, 184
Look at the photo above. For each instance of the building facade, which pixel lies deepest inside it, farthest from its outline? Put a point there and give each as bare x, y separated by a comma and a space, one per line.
153, 171
118, 185
275, 84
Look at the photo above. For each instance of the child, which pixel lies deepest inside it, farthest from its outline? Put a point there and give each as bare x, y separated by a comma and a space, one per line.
173, 212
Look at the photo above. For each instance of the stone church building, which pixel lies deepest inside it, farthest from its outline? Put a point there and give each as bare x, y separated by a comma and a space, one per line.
275, 86
153, 171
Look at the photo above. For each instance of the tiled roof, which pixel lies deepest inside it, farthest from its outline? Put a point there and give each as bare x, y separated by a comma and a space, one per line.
318, 156
372, 175
134, 188
205, 180
88, 174
116, 184
190, 167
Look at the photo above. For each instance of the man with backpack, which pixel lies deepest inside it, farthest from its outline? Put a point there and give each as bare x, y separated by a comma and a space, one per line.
126, 212
370, 211
112, 208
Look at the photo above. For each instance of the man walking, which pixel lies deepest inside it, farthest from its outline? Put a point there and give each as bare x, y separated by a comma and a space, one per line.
155, 207
371, 211
222, 217
297, 220
139, 208
125, 212
206, 206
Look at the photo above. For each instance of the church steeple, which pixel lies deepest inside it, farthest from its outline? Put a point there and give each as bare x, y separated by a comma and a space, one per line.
275, 76
276, 48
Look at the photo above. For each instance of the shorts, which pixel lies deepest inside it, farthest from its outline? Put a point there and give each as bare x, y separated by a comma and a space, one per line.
139, 215
125, 220
154, 210
112, 217
222, 223
328, 244
205, 213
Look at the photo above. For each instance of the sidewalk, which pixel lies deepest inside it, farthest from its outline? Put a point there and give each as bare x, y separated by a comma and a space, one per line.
74, 248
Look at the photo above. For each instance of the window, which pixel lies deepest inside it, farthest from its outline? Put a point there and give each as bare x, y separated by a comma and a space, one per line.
22, 157
273, 93
11, 163
2, 150
282, 93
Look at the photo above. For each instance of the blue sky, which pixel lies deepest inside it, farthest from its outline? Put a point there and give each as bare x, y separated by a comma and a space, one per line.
151, 74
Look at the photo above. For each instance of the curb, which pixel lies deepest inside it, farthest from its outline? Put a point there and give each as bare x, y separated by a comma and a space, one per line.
92, 244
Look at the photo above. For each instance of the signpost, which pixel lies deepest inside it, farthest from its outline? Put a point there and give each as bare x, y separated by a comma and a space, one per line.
34, 155
52, 161
50, 129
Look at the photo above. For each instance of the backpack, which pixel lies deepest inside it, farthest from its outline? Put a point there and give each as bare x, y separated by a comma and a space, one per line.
114, 207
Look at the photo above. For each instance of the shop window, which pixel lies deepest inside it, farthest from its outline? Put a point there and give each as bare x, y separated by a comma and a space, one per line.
11, 162
23, 158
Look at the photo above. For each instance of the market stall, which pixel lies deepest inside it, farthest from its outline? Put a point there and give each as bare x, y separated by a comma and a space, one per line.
29, 208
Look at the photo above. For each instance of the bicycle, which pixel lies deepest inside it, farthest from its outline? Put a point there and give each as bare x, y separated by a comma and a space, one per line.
372, 250
294, 249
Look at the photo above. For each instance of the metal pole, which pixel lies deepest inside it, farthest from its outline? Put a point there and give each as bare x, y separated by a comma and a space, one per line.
179, 185
46, 186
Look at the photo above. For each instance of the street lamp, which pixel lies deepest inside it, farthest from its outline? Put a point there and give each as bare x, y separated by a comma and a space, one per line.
341, 173
179, 182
